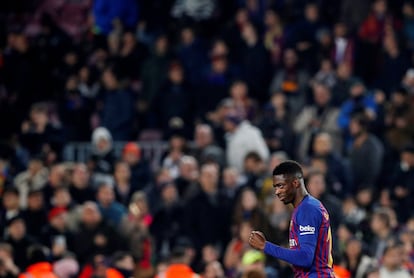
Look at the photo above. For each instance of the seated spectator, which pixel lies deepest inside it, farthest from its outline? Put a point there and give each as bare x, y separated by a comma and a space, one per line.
19, 239
138, 165
392, 262
383, 234
56, 235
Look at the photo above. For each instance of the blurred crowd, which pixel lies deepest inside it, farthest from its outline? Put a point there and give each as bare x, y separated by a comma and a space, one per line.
234, 87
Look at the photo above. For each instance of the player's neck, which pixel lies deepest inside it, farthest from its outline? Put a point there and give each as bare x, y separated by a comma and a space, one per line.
299, 198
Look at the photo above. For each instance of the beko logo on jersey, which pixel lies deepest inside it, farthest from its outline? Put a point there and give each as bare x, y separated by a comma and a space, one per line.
306, 230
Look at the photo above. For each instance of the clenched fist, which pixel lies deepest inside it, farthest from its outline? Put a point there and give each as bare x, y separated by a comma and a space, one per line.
257, 240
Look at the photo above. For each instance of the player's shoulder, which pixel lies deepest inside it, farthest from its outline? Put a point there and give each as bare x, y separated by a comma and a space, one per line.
311, 206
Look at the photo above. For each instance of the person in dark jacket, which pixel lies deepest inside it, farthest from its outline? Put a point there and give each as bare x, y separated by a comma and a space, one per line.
208, 212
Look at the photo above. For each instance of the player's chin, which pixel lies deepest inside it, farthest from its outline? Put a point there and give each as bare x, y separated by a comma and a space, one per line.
283, 200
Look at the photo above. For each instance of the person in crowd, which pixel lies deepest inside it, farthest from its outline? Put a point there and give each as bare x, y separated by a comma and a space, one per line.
139, 167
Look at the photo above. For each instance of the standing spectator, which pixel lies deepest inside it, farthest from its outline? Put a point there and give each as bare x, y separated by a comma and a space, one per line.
186, 182
153, 190
318, 117
101, 161
135, 229
118, 107
35, 215
344, 46
192, 54
80, 187
255, 66
205, 148
242, 138
380, 225
106, 12
170, 214
153, 73
138, 165
247, 208
216, 79
337, 170
244, 104
74, 107
316, 185
39, 135
401, 184
365, 155
340, 91
94, 235
56, 235
132, 55
208, 212
274, 36
304, 35
112, 211
292, 80
174, 101
56, 180
275, 124
123, 189
394, 64
359, 101
377, 24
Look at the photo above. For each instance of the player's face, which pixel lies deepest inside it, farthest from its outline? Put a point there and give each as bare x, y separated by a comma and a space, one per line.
285, 188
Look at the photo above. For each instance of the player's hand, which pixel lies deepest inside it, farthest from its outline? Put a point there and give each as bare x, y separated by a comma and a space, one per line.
257, 240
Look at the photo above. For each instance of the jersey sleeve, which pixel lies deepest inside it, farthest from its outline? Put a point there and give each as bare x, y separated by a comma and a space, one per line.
308, 221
